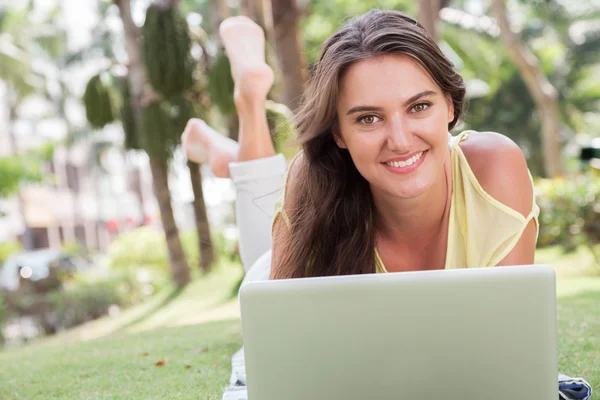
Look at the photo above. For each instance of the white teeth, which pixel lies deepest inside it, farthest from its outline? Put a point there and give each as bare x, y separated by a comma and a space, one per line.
402, 164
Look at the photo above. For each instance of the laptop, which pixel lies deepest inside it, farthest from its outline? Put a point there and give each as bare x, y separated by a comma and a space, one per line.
465, 334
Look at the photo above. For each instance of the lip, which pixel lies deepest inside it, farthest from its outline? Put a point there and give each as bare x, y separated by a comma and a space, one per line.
409, 168
404, 158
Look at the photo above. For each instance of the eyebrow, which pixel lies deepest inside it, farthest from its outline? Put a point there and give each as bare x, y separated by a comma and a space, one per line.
407, 102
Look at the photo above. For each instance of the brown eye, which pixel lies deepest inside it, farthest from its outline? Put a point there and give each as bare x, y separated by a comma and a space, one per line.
368, 119
420, 107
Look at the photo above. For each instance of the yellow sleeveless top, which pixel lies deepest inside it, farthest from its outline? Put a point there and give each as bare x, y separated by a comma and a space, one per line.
482, 231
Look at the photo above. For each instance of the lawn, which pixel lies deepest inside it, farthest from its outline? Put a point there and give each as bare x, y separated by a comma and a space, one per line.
179, 344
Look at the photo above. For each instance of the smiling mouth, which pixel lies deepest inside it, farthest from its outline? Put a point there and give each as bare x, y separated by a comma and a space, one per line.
406, 163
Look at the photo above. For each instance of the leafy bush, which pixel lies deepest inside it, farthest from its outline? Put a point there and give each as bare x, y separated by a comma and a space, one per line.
143, 247
569, 212
72, 248
85, 299
226, 246
15, 169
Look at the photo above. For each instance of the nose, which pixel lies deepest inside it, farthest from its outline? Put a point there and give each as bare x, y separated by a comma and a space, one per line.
400, 137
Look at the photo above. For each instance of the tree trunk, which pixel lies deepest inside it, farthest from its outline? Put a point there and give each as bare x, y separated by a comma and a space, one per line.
264, 16
218, 12
141, 95
205, 244
429, 11
179, 267
542, 91
246, 8
290, 50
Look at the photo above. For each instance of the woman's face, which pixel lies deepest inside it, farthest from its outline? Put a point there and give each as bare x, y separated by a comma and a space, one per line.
393, 120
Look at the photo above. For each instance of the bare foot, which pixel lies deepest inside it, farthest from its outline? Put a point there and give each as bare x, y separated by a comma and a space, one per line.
204, 145
244, 43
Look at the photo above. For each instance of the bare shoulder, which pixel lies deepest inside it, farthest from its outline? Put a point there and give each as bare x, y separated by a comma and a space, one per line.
500, 168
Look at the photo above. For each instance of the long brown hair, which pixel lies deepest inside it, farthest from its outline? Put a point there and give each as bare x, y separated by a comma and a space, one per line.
332, 224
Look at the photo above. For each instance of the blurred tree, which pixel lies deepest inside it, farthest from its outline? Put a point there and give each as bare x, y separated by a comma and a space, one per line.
429, 15
290, 50
544, 94
172, 76
20, 80
499, 99
323, 18
145, 109
17, 169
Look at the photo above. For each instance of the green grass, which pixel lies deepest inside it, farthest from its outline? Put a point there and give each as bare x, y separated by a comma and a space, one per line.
197, 330
123, 366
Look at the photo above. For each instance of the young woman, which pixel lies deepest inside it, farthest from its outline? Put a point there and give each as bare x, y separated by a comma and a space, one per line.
380, 184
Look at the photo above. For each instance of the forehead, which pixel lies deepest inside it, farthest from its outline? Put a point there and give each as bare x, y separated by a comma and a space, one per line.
377, 79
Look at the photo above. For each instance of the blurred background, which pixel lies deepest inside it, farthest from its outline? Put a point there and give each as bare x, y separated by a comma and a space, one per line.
100, 210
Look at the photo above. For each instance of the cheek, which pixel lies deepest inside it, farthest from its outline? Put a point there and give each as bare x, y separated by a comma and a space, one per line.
359, 141
433, 128
364, 146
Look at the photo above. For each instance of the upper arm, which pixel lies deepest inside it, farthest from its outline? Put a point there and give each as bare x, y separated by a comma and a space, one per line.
501, 169
281, 224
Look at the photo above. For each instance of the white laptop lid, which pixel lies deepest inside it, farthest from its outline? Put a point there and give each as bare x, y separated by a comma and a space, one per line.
484, 333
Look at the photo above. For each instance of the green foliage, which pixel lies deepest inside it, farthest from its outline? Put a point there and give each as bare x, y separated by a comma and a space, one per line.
71, 248
9, 248
46, 152
181, 112
87, 298
281, 124
15, 169
157, 134
166, 47
143, 247
16, 56
162, 125
132, 141
328, 16
569, 212
80, 299
509, 110
99, 102
227, 248
221, 85
567, 44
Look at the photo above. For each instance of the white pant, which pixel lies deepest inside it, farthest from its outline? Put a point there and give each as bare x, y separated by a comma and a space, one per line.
258, 185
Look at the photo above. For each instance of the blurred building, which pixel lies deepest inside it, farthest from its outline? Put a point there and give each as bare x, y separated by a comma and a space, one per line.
93, 193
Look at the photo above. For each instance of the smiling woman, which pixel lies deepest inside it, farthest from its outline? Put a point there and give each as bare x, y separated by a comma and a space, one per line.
380, 184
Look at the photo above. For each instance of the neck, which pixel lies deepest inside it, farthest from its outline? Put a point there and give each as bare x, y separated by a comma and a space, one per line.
413, 220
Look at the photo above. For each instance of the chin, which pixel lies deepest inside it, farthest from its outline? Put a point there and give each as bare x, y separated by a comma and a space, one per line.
405, 190
409, 192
